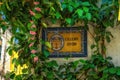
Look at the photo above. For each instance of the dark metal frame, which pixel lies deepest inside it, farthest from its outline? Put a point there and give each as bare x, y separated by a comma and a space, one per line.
73, 54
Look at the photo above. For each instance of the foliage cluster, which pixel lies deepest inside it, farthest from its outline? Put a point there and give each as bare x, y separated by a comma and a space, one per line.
25, 20
96, 68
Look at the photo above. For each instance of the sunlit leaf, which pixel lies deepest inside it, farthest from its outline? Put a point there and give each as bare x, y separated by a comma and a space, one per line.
37, 16
7, 6
48, 44
57, 15
85, 3
88, 15
33, 55
79, 12
86, 9
68, 20
44, 25
70, 8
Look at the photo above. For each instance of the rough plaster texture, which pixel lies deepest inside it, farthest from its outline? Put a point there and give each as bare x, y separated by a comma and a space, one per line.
113, 48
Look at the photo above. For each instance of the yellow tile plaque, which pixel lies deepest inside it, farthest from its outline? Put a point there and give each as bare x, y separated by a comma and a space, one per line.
66, 41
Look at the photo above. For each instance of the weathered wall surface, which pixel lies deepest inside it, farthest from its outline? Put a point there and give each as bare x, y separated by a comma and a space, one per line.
113, 48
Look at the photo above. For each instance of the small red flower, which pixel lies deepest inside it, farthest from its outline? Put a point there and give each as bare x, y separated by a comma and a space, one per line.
36, 3
31, 44
36, 59
33, 51
38, 9
32, 33
32, 13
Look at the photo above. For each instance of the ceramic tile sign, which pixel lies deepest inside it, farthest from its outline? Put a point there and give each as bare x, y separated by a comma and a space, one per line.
66, 42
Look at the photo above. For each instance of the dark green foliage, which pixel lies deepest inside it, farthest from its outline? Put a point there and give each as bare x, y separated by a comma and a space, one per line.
100, 14
96, 68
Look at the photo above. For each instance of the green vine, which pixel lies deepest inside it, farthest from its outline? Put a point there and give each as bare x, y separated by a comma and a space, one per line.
26, 18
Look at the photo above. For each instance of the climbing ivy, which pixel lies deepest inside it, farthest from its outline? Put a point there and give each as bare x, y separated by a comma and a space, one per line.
26, 18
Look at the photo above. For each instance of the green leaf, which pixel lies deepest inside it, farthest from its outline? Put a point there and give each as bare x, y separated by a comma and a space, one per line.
92, 66
44, 25
20, 23
88, 15
75, 5
53, 21
82, 61
4, 27
12, 76
10, 52
85, 9
70, 8
48, 44
57, 15
93, 46
95, 76
14, 60
37, 16
108, 39
64, 6
76, 63
18, 77
24, 70
46, 53
112, 70
69, 77
118, 72
68, 20
97, 38
109, 58
52, 8
52, 63
79, 12
50, 75
85, 3
7, 6
32, 55
29, 25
